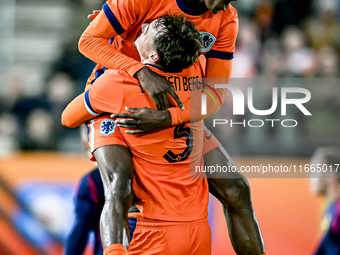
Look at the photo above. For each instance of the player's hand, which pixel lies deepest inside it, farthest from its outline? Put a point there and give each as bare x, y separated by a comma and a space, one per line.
142, 119
93, 15
158, 88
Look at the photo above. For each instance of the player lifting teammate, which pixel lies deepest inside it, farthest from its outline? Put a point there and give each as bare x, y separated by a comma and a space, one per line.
218, 19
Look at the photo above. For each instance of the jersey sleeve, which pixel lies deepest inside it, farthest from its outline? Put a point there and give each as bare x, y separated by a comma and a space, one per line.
76, 112
93, 75
193, 106
224, 46
115, 18
219, 68
214, 68
104, 96
123, 13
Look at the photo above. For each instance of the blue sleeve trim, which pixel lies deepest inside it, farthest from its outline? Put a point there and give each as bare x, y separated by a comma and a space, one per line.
99, 72
88, 104
219, 54
113, 20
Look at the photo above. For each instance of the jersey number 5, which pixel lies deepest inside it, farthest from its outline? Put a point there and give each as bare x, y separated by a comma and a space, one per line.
179, 132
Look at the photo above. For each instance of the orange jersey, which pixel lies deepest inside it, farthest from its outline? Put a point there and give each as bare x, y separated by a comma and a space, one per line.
162, 158
122, 20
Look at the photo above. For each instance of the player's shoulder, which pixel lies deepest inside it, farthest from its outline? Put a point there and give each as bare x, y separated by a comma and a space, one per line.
111, 77
127, 79
230, 14
231, 11
120, 75
197, 69
134, 4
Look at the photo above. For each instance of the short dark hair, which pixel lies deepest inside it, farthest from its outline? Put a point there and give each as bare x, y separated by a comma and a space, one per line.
178, 42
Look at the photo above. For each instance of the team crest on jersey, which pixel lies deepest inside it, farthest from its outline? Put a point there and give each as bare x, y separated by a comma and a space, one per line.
107, 127
208, 41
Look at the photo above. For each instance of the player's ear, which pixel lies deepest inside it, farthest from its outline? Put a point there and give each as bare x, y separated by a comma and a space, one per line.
154, 57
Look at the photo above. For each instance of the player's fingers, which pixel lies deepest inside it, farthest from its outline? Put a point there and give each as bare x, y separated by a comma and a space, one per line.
123, 115
177, 99
94, 14
91, 16
166, 102
127, 121
127, 126
161, 102
135, 131
134, 110
157, 103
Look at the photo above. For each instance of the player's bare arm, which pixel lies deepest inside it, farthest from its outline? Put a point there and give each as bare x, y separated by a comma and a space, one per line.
136, 120
158, 88
146, 119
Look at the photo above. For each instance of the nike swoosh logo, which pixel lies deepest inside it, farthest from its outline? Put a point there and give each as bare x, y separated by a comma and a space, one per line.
208, 137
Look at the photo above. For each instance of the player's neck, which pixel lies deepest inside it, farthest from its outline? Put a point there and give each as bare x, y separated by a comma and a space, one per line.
196, 5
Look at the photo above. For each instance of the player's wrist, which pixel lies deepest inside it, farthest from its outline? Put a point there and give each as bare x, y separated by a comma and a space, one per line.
135, 67
174, 115
140, 74
167, 120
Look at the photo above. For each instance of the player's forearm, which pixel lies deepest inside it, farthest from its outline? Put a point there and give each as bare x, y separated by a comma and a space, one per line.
94, 44
103, 53
220, 70
193, 107
75, 113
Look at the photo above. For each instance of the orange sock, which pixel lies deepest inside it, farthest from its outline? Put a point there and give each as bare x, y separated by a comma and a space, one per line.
115, 249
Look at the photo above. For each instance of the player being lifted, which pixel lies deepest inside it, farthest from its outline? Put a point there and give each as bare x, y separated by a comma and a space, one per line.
217, 21
173, 203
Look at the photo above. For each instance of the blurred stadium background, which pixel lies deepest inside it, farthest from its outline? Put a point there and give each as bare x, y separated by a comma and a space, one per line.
41, 161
